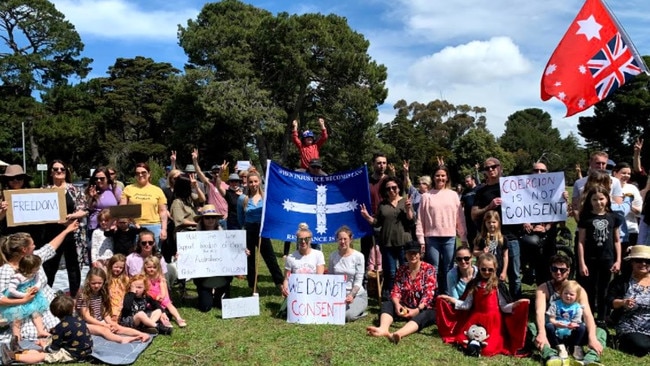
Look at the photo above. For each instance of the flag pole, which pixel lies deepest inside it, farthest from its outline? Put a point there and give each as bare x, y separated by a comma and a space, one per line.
626, 37
257, 263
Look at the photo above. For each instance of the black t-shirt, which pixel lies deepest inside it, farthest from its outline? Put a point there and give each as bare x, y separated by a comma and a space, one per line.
231, 199
484, 196
599, 235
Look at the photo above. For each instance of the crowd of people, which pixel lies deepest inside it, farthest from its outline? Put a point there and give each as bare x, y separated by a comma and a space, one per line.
472, 292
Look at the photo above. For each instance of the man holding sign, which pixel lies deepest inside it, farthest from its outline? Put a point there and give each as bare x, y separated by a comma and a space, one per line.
488, 198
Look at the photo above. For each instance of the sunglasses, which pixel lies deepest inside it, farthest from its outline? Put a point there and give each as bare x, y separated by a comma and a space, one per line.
141, 173
559, 269
16, 179
539, 170
491, 167
391, 188
463, 259
101, 179
146, 243
641, 260
304, 240
111, 173
58, 170
487, 270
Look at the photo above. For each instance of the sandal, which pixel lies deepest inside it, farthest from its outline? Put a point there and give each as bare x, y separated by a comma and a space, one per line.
181, 323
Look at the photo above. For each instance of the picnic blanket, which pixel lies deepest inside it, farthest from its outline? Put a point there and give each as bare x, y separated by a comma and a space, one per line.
108, 352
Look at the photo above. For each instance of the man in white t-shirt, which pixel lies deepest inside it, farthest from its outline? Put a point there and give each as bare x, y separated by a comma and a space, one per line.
598, 161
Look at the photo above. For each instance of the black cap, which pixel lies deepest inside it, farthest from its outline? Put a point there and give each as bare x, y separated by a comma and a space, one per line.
316, 163
412, 246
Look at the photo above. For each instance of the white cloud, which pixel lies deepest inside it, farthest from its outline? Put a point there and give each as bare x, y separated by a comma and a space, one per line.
473, 63
123, 19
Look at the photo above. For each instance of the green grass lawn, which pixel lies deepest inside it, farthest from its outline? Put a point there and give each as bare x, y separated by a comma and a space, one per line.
268, 340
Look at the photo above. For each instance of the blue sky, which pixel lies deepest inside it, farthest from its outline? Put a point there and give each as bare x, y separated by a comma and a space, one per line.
476, 52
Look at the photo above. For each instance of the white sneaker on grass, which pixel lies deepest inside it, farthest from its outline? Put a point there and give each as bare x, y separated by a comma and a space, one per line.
562, 352
578, 353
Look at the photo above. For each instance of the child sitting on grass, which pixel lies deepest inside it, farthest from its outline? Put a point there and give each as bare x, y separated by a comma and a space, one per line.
70, 342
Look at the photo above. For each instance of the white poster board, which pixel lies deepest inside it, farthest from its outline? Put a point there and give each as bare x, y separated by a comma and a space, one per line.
533, 198
243, 164
35, 206
211, 253
240, 307
316, 299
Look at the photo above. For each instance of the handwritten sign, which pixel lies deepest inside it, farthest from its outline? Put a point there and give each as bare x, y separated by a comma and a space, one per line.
240, 307
35, 206
533, 198
211, 253
316, 299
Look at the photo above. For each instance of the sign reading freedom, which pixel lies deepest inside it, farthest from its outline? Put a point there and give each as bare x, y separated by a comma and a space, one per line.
533, 198
35, 206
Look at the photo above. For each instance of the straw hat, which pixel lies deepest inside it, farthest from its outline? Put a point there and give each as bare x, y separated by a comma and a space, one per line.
208, 210
639, 251
15, 171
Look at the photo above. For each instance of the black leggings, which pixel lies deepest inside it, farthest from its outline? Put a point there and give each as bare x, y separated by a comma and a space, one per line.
67, 250
266, 250
634, 343
423, 319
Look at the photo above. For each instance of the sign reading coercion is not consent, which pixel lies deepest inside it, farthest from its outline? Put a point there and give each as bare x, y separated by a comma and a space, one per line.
35, 206
316, 299
211, 253
533, 198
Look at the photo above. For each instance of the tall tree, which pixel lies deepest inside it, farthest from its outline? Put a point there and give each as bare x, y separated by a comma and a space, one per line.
305, 66
620, 119
477, 145
39, 49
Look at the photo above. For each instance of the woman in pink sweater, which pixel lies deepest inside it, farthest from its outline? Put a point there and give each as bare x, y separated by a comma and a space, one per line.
440, 218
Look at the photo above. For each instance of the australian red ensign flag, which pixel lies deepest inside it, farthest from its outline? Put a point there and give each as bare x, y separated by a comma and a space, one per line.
593, 59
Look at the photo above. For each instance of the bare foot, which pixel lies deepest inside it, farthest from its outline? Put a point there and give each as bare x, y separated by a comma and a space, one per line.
129, 339
376, 332
395, 338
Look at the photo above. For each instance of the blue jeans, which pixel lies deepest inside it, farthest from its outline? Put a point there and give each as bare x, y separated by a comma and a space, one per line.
439, 253
391, 257
155, 229
514, 269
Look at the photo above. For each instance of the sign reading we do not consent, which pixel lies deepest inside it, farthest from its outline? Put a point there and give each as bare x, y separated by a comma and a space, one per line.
211, 253
533, 198
35, 206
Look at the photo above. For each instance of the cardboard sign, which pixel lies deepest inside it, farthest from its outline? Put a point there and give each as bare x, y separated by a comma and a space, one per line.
316, 299
240, 307
243, 164
35, 206
211, 253
130, 211
533, 198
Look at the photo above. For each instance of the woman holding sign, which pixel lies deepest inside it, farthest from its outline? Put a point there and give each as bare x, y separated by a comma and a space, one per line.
15, 178
304, 260
411, 298
349, 262
74, 246
153, 202
211, 289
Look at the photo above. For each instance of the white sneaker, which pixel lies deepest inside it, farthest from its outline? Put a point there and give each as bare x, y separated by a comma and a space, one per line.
561, 352
578, 353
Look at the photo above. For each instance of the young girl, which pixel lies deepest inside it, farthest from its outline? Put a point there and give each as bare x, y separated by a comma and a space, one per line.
94, 306
118, 283
486, 303
158, 288
101, 249
565, 321
491, 241
599, 247
140, 310
22, 283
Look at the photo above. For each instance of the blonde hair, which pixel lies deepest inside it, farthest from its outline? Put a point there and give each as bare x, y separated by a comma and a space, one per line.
156, 262
104, 215
492, 283
122, 278
303, 228
490, 215
253, 173
12, 246
425, 179
571, 286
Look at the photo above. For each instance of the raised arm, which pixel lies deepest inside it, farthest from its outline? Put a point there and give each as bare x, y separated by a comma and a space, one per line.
199, 172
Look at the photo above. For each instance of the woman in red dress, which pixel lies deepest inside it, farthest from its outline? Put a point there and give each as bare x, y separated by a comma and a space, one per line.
484, 303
